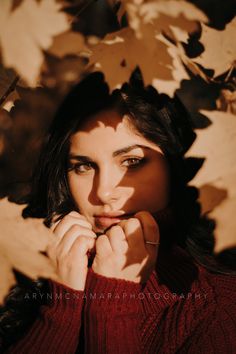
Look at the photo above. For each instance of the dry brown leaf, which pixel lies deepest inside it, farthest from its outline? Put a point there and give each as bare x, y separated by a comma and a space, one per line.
143, 44
224, 214
164, 14
120, 52
220, 48
218, 144
176, 20
177, 69
151, 10
20, 243
68, 43
26, 31
179, 34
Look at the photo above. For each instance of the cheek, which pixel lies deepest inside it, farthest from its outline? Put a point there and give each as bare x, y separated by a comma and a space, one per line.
79, 189
159, 193
161, 184
152, 189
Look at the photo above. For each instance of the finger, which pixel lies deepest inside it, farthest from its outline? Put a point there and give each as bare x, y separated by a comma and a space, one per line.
70, 236
55, 221
57, 218
150, 231
50, 249
103, 246
117, 239
63, 226
81, 246
76, 214
133, 232
57, 245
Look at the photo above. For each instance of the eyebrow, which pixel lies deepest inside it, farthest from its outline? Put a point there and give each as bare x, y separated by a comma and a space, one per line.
114, 154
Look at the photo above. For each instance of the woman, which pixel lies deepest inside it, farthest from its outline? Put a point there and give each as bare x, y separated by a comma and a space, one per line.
134, 259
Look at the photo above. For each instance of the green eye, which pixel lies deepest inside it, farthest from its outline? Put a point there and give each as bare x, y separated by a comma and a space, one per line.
81, 167
133, 162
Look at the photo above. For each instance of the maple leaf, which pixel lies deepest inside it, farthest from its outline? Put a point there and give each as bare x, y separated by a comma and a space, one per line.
180, 15
152, 9
216, 179
26, 31
143, 45
154, 56
177, 69
127, 52
220, 48
68, 43
21, 242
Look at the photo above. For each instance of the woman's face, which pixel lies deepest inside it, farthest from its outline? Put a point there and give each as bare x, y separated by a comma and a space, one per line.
114, 171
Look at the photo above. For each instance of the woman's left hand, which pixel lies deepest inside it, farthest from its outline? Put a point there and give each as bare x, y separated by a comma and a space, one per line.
122, 252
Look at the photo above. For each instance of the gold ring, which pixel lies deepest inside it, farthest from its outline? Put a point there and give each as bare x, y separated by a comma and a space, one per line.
153, 243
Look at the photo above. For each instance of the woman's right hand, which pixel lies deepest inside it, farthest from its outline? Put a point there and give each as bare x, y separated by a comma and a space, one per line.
73, 239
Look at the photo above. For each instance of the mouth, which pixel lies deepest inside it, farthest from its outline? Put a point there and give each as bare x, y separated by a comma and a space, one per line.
104, 221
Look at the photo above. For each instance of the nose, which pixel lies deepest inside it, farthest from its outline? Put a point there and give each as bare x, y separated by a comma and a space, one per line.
107, 185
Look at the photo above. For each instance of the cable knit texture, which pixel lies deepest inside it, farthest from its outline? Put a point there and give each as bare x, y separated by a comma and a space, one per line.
182, 308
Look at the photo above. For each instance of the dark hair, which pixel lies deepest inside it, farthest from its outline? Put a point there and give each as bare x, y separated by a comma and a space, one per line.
158, 118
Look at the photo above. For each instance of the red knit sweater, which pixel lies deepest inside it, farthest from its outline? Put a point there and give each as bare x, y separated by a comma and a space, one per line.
182, 308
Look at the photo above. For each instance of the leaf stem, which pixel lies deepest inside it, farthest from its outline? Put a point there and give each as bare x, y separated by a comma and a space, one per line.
9, 90
84, 7
230, 72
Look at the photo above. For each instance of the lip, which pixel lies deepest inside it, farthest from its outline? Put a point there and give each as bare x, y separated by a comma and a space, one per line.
111, 214
105, 220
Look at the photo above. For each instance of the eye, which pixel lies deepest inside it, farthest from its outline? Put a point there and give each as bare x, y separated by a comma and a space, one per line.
133, 162
81, 167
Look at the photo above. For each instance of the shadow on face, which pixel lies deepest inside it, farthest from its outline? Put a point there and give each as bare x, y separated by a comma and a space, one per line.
113, 168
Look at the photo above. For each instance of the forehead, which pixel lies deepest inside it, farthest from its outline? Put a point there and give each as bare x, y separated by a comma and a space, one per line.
106, 131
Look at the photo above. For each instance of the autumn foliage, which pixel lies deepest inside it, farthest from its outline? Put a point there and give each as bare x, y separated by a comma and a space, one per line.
45, 50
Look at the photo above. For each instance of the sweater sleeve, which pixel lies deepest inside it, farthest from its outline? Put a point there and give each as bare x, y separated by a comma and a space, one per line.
217, 333
200, 320
112, 315
56, 329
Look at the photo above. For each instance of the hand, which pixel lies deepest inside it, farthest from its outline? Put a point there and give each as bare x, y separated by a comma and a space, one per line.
122, 252
73, 239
